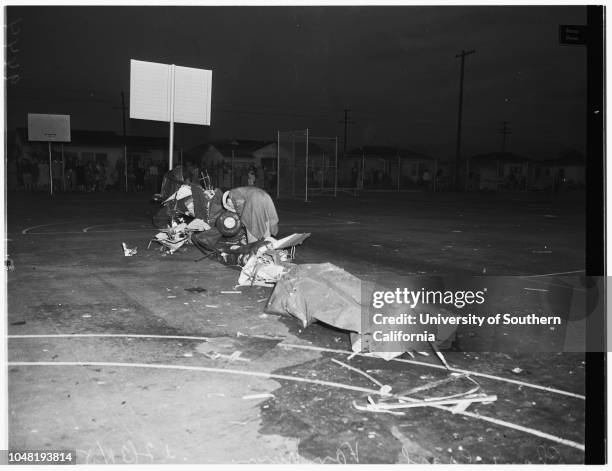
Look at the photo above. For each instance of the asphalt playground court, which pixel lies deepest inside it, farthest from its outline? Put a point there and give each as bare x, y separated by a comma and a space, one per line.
110, 355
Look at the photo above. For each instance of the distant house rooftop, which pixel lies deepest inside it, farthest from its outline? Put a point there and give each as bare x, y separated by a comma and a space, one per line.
502, 157
240, 147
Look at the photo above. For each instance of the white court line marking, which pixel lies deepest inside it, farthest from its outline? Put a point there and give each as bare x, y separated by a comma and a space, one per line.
299, 379
536, 289
553, 274
28, 229
90, 232
314, 224
107, 224
311, 347
550, 283
259, 374
147, 336
531, 431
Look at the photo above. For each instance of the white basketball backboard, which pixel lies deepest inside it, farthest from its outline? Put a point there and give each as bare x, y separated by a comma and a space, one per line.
151, 93
49, 127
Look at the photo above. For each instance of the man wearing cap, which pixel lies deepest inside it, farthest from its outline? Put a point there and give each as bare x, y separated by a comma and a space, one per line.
255, 209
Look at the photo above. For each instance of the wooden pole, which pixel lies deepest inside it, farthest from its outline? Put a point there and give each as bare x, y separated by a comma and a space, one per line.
399, 164
63, 169
50, 174
125, 173
362, 170
336, 168
306, 177
497, 175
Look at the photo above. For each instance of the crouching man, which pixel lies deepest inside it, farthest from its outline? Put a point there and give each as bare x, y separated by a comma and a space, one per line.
255, 209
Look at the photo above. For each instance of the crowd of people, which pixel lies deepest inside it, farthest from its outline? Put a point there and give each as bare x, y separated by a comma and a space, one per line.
225, 175
32, 173
81, 174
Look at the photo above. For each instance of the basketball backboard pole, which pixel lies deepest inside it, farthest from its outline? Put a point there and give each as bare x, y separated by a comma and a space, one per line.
49, 128
172, 92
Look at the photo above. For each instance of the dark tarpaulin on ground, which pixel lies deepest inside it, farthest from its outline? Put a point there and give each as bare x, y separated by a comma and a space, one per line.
326, 293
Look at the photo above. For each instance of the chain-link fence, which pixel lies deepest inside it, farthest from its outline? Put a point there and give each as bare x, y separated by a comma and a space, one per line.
307, 165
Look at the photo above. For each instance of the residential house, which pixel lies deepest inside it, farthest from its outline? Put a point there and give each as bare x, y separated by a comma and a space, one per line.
563, 173
229, 161
499, 171
384, 167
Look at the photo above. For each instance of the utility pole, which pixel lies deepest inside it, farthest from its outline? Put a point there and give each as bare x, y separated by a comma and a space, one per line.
123, 109
458, 150
347, 120
504, 132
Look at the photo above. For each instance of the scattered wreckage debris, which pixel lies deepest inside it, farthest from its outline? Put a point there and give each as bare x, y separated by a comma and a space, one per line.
9, 264
127, 251
210, 349
259, 396
192, 214
459, 402
391, 403
385, 389
196, 289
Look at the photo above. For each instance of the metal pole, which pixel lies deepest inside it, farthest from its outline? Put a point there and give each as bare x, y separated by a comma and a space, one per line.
232, 170
123, 108
323, 173
497, 175
346, 119
50, 174
362, 170
435, 175
293, 166
170, 156
126, 166
306, 189
399, 163
336, 168
63, 169
277, 164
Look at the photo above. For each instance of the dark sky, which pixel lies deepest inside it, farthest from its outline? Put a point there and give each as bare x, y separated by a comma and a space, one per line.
297, 67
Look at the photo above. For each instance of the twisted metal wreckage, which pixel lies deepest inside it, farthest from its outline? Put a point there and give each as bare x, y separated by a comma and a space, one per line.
194, 214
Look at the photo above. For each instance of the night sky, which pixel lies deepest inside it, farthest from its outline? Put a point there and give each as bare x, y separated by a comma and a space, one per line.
296, 67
